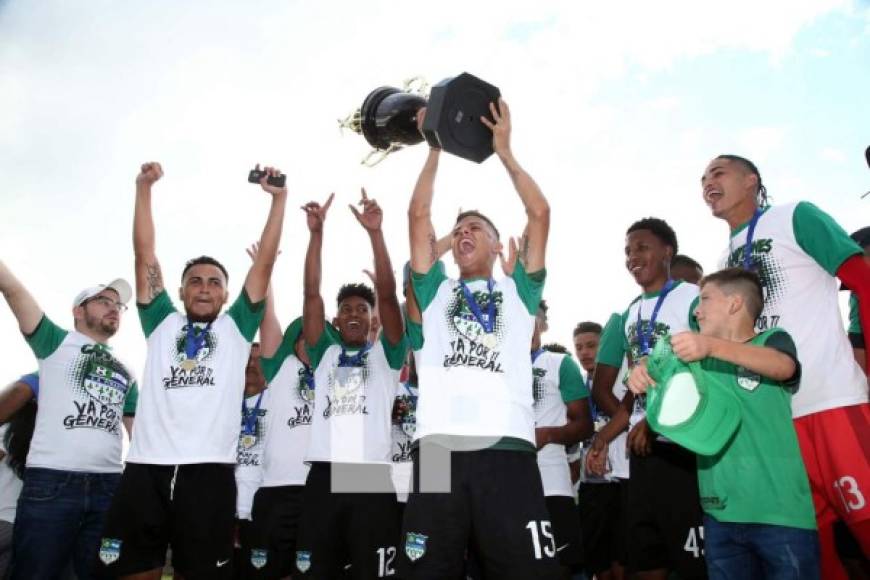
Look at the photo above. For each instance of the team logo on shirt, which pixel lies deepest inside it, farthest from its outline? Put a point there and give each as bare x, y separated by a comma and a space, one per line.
748, 379
303, 561
404, 420
415, 546
259, 558
305, 398
101, 387
472, 346
110, 550
346, 389
249, 446
195, 373
770, 273
538, 385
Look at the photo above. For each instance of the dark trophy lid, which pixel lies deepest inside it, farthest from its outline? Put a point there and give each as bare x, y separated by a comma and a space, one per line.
453, 116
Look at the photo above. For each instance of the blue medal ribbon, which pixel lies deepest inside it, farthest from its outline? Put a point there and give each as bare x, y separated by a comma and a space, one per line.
487, 324
308, 375
646, 337
345, 360
193, 342
249, 418
750, 234
536, 354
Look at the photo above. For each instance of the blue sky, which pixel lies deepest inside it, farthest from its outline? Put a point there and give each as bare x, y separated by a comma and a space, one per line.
617, 108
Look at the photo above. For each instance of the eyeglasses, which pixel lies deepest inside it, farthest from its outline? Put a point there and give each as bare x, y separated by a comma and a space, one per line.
108, 303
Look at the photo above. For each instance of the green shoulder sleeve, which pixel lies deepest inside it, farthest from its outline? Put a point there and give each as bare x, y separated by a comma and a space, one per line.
426, 285
131, 400
779, 339
316, 352
155, 312
45, 338
854, 316
395, 352
529, 286
271, 365
822, 238
611, 349
693, 320
415, 334
571, 383
247, 315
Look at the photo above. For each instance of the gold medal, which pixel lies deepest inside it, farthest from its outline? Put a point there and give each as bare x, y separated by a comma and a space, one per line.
188, 364
489, 340
249, 441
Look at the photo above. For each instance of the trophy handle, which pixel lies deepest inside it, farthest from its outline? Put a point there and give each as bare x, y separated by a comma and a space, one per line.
352, 122
375, 156
416, 85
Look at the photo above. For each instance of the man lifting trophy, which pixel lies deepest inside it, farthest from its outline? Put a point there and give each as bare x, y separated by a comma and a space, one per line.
388, 118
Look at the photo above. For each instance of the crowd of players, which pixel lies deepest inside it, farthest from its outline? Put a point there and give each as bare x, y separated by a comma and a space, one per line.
425, 432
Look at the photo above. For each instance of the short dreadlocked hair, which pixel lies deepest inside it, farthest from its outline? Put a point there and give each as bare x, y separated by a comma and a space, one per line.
761, 192
659, 229
360, 290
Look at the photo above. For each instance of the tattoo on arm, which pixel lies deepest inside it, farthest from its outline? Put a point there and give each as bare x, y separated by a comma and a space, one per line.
433, 248
155, 280
524, 250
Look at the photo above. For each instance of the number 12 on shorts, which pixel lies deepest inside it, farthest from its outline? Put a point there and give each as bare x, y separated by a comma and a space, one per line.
543, 529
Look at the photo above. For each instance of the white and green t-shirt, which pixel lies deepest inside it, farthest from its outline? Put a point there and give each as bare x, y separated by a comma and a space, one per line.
759, 477
291, 410
191, 415
473, 383
249, 457
796, 251
404, 420
83, 391
676, 314
556, 382
353, 399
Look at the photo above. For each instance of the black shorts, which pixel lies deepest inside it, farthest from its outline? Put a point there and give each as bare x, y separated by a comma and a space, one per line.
341, 528
188, 507
664, 513
602, 520
269, 549
495, 506
566, 528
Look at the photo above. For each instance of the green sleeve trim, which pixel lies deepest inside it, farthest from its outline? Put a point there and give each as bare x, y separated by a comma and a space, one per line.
415, 334
693, 320
395, 352
571, 383
854, 315
46, 338
316, 352
514, 444
530, 286
779, 339
155, 312
426, 285
822, 238
131, 400
271, 365
611, 348
247, 315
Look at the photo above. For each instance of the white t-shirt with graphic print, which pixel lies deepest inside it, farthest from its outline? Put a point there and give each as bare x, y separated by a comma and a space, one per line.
473, 383
82, 394
797, 250
192, 416
404, 423
249, 462
353, 403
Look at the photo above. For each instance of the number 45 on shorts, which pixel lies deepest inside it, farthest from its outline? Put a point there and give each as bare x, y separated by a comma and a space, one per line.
695, 542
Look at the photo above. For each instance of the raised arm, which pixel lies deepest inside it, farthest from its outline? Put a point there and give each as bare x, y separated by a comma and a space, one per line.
149, 277
371, 218
270, 328
23, 306
313, 311
534, 243
261, 270
424, 243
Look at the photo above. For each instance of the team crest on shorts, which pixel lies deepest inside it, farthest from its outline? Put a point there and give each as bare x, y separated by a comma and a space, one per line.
303, 561
415, 545
110, 550
259, 558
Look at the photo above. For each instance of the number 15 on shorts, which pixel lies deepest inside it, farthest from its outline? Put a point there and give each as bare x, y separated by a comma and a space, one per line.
542, 530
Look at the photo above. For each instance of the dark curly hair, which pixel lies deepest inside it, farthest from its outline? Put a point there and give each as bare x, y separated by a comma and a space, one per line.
360, 290
659, 229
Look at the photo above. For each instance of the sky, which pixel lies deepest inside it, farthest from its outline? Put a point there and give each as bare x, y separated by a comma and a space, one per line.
617, 108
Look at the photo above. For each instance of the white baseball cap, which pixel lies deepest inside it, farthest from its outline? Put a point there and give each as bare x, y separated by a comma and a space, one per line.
121, 286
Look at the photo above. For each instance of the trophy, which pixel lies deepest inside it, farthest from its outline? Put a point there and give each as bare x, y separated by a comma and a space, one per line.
388, 117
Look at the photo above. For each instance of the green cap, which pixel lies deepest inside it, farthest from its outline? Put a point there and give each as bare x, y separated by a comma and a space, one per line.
691, 406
